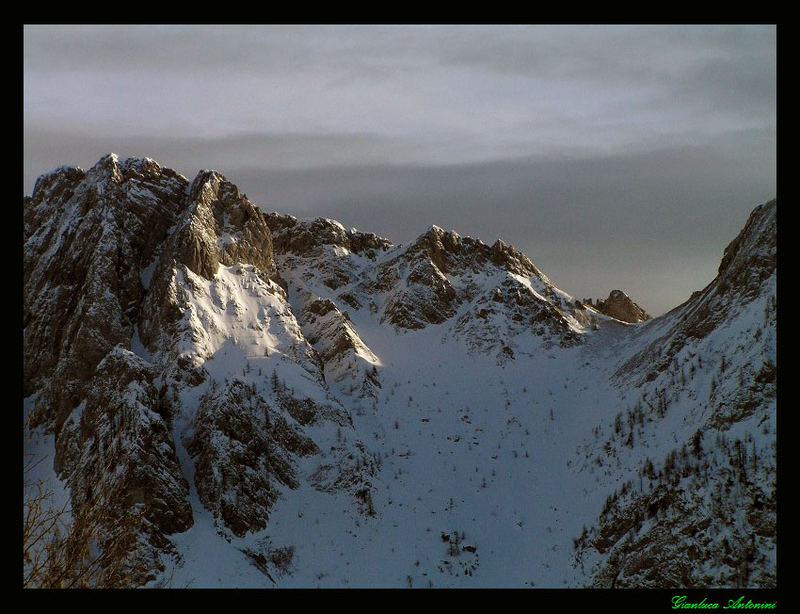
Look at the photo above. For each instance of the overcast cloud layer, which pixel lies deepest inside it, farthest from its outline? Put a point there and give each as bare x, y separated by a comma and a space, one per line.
615, 157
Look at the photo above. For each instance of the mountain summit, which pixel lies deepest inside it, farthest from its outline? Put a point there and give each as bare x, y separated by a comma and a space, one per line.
272, 401
620, 306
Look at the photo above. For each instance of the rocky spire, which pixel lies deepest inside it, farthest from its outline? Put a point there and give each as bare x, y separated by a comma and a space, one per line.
222, 227
620, 306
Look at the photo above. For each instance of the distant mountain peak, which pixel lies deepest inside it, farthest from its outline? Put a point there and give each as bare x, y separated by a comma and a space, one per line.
619, 305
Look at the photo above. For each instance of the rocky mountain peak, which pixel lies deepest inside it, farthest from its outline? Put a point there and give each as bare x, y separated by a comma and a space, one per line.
751, 257
441, 247
435, 235
309, 237
451, 252
61, 176
206, 182
222, 226
148, 170
87, 236
110, 168
107, 167
620, 306
510, 258
747, 272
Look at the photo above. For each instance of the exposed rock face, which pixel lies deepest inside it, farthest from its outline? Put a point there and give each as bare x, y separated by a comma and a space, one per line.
303, 239
345, 357
242, 448
118, 456
222, 227
751, 258
441, 271
513, 260
619, 305
87, 236
428, 298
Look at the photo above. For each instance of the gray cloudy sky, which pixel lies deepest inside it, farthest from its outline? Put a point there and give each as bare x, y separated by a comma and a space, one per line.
615, 157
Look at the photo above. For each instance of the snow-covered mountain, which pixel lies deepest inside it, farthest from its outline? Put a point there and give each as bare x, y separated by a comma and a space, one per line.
286, 402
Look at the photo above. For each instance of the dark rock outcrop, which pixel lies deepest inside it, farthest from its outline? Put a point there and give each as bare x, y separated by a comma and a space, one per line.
291, 236
428, 298
509, 310
116, 452
222, 227
243, 451
87, 237
618, 305
427, 266
101, 261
